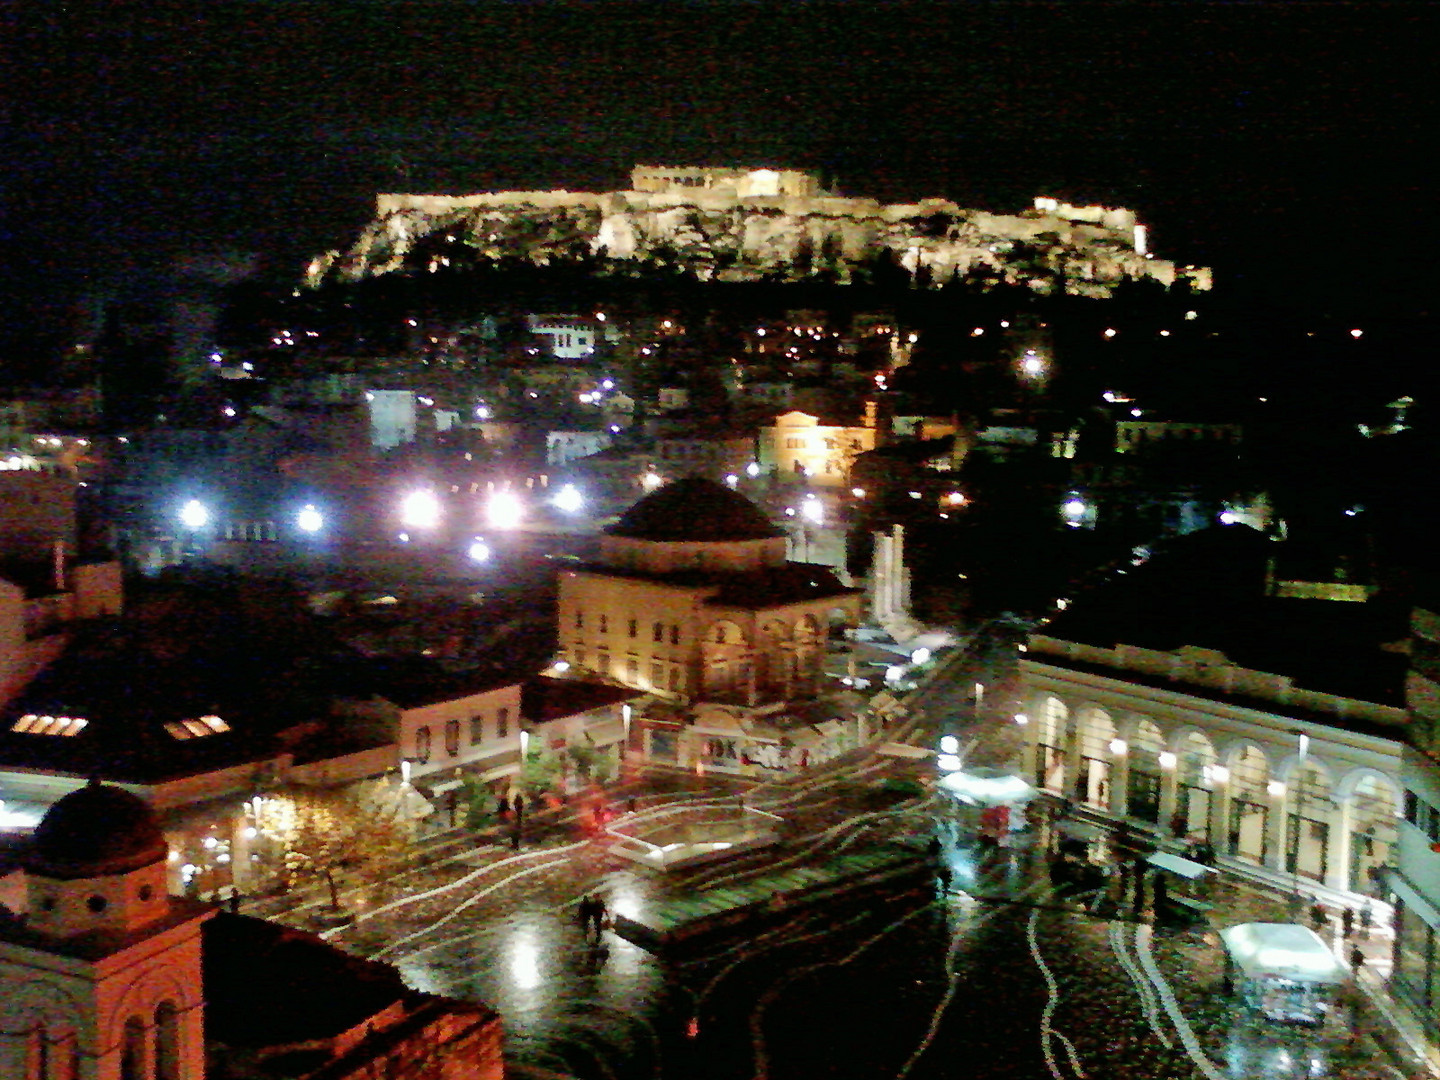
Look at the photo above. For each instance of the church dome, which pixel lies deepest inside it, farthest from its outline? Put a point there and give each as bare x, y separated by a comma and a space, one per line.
694, 510
97, 831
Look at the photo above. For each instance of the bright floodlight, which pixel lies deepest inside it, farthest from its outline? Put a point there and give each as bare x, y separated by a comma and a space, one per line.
920, 656
309, 519
753, 469
479, 551
949, 744
193, 515
1032, 365
569, 499
505, 510
420, 509
731, 480
1074, 509
651, 480
813, 510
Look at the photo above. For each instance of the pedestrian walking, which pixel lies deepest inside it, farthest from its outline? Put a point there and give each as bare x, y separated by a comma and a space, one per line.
1357, 959
1347, 921
586, 914
1317, 916
1367, 916
599, 913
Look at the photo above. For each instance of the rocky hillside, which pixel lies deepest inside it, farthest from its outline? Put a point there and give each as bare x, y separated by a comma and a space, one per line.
725, 238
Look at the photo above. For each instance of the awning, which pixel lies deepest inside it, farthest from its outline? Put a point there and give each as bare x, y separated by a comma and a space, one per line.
1174, 864
1281, 951
987, 787
606, 734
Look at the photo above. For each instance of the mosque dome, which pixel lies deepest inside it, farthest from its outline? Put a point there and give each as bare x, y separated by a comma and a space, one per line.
97, 831
694, 510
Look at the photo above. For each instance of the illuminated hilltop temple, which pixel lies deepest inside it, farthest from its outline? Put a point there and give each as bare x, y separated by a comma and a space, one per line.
729, 224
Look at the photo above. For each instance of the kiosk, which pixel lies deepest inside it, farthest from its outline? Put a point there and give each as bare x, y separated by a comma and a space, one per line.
1281, 970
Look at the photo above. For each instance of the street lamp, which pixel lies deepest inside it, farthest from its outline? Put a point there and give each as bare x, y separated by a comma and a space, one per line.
1304, 749
194, 515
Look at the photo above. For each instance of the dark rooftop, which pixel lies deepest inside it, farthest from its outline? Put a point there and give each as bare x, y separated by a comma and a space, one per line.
543, 698
1208, 590
694, 509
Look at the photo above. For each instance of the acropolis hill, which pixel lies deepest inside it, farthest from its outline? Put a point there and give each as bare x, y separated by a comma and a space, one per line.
739, 225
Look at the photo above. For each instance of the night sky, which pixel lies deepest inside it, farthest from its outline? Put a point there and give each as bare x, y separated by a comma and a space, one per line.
1278, 142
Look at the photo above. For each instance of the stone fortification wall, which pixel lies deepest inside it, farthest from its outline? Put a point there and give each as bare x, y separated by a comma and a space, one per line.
720, 235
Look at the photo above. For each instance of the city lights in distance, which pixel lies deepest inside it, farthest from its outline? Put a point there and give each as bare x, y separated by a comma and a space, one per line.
956, 498
1357, 334
194, 515
309, 519
1110, 332
569, 499
505, 510
420, 510
858, 492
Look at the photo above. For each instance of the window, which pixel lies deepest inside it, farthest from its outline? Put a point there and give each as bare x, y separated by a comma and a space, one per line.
632, 669
132, 1050
579, 620
604, 625
477, 729
657, 633
634, 626
675, 634
502, 723
452, 737
657, 675
422, 745
167, 1041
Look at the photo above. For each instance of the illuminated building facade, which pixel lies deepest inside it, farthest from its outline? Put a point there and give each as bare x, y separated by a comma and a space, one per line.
693, 600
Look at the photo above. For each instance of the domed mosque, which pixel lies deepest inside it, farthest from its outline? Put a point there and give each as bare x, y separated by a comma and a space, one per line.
693, 600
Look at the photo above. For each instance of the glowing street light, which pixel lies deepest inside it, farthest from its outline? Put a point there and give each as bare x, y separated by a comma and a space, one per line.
1032, 365
651, 480
569, 499
479, 551
813, 510
753, 469
420, 510
194, 515
505, 510
310, 520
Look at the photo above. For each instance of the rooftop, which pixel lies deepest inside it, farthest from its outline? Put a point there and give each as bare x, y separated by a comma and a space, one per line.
694, 510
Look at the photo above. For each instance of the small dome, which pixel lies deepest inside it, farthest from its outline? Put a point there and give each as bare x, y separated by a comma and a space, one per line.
97, 831
694, 510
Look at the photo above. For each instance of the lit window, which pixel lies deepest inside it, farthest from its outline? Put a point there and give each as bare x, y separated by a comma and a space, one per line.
33, 724
196, 728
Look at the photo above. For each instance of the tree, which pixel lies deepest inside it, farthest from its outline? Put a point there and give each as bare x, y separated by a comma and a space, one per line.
364, 831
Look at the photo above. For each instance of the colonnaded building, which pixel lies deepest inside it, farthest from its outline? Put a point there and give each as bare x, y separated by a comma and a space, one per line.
1185, 698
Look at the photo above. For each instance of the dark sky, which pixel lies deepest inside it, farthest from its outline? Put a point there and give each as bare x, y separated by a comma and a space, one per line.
1282, 142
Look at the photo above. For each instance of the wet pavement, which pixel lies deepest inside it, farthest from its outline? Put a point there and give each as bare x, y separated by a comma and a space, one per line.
983, 970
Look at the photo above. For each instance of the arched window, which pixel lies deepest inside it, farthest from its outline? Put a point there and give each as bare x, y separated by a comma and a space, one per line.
452, 737
422, 745
167, 1041
132, 1050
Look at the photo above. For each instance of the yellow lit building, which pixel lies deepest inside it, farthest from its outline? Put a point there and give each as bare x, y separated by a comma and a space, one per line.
693, 599
798, 445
